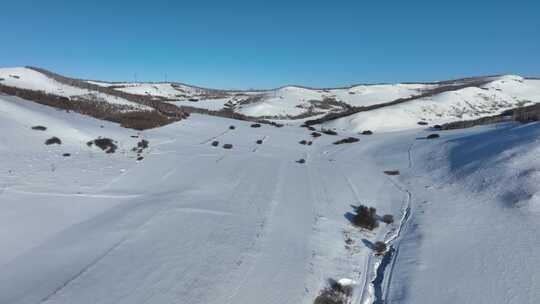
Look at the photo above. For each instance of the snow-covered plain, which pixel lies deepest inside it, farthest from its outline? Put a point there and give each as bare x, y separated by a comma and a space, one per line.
193, 223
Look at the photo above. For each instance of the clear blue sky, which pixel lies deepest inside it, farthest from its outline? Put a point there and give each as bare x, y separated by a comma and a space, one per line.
263, 44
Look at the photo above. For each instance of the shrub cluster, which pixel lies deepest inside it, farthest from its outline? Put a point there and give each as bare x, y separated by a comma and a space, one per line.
329, 132
335, 293
347, 140
106, 144
53, 141
365, 217
379, 248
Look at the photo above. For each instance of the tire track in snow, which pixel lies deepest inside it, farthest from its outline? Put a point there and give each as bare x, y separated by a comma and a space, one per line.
383, 279
128, 209
364, 275
100, 257
215, 137
82, 271
262, 226
371, 290
257, 145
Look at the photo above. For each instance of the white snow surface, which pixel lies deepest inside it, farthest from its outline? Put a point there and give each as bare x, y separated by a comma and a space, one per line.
292, 100
29, 79
474, 229
469, 103
159, 89
192, 223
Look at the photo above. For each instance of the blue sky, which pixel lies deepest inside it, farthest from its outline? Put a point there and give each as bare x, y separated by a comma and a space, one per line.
264, 44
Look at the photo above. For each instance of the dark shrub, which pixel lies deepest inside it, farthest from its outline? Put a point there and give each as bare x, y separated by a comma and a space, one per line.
329, 132
39, 128
437, 127
347, 140
106, 144
256, 125
215, 143
53, 141
301, 161
433, 136
316, 134
140, 158
193, 99
227, 146
311, 128
232, 127
367, 132
387, 219
335, 293
391, 172
309, 143
379, 248
365, 217
422, 123
66, 155
259, 142
303, 142
329, 296
143, 144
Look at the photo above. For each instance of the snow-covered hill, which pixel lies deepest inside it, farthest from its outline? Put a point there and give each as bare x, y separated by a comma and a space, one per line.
176, 215
492, 98
385, 107
29, 79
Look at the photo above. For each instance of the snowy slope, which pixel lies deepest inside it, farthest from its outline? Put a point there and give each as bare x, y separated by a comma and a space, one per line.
460, 100
193, 223
474, 231
29, 79
468, 103
165, 90
190, 223
366, 95
293, 101
467, 100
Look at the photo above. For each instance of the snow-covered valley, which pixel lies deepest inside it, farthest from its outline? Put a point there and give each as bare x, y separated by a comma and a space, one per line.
189, 221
